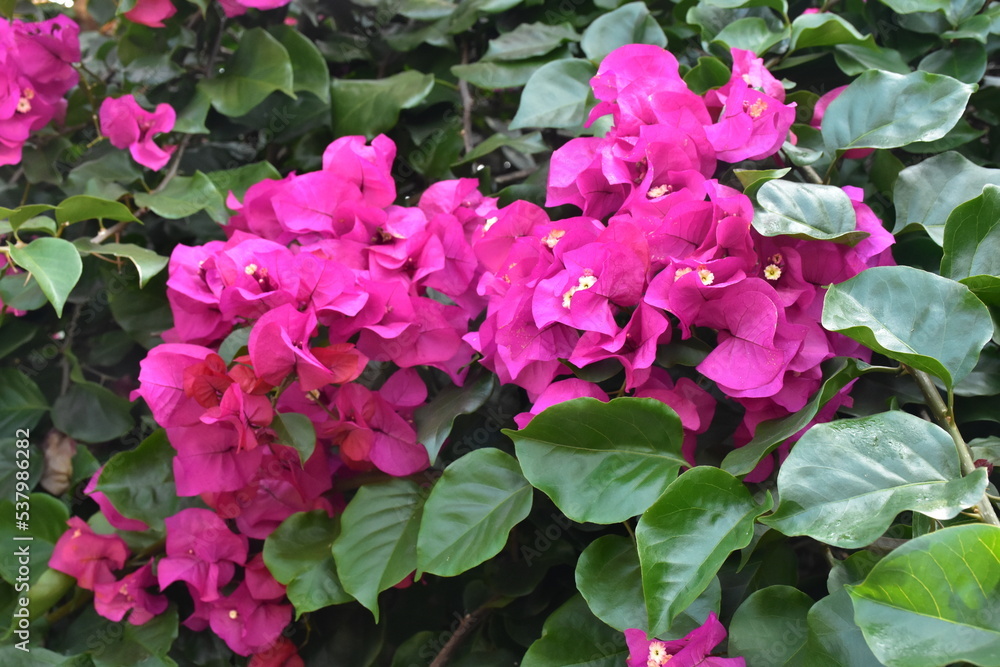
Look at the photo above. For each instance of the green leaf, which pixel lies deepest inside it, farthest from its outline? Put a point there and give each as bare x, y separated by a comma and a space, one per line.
183, 197
780, 6
888, 110
526, 143
844, 482
926, 193
147, 262
191, 118
528, 40
835, 640
915, 317
957, 136
233, 343
309, 70
84, 207
629, 24
854, 59
751, 33
54, 263
557, 95
90, 413
434, 420
753, 179
127, 645
945, 589
46, 523
9, 466
470, 511
806, 211
296, 431
769, 434
377, 546
259, 67
239, 180
574, 637
972, 237
140, 482
372, 106
962, 59
683, 539
913, 6
608, 577
770, 628
707, 74
574, 449
22, 403
298, 554
822, 29
500, 75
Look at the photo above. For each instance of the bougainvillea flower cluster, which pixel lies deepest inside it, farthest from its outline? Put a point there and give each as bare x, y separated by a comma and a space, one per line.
36, 72
128, 125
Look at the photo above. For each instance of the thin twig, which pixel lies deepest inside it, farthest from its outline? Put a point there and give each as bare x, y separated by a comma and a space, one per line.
467, 102
467, 625
515, 175
811, 174
947, 420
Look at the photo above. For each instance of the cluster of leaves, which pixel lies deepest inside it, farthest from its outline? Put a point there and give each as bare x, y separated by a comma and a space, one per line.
858, 553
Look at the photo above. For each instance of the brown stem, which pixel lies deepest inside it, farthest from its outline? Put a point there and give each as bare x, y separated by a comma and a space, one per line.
466, 626
946, 418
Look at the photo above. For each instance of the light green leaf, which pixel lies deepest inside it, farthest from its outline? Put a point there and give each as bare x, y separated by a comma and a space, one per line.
147, 262
572, 450
434, 420
822, 29
377, 546
753, 179
528, 40
684, 538
751, 33
962, 59
470, 511
806, 211
84, 207
629, 24
239, 180
844, 482
526, 143
854, 59
46, 523
557, 95
944, 588
972, 237
886, 110
835, 640
372, 106
54, 263
707, 74
183, 197
500, 75
259, 67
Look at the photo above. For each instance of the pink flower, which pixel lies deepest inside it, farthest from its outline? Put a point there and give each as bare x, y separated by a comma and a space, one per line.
201, 551
753, 125
127, 125
690, 651
87, 556
114, 599
246, 624
151, 12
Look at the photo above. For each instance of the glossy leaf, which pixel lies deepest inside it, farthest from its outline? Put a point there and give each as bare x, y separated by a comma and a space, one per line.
377, 546
822, 29
309, 70
945, 589
844, 482
146, 262
918, 318
83, 207
183, 197
886, 110
557, 95
54, 263
926, 194
629, 24
435, 419
707, 74
90, 413
608, 577
298, 554
470, 511
770, 628
752, 34
574, 637
370, 107
527, 143
140, 482
259, 67
237, 181
601, 462
297, 431
753, 179
806, 211
972, 237
963, 59
22, 403
528, 40
683, 539
500, 75
835, 640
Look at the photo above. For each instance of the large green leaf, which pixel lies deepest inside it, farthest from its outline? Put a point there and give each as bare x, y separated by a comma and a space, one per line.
146, 262
574, 637
528, 40
770, 628
496, 75
944, 588
751, 33
309, 70
55, 264
771, 433
184, 196
806, 211
22, 403
140, 482
835, 640
926, 194
602, 462
931, 323
83, 207
557, 95
887, 110
298, 554
962, 59
629, 24
683, 539
372, 106
434, 420
259, 67
822, 29
470, 511
377, 546
972, 237
90, 413
844, 482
